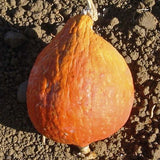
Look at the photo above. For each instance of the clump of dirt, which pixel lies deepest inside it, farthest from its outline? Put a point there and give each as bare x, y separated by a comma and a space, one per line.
133, 27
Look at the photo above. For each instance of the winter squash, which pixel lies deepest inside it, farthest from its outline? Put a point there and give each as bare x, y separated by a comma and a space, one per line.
80, 89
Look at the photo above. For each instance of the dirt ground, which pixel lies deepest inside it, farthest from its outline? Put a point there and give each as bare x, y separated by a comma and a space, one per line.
131, 26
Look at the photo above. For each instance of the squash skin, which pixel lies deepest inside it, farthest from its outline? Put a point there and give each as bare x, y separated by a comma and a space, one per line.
80, 88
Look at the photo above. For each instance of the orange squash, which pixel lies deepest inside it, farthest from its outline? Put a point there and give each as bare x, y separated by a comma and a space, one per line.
80, 88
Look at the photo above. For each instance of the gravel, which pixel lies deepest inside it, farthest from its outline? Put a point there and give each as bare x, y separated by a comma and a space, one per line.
132, 27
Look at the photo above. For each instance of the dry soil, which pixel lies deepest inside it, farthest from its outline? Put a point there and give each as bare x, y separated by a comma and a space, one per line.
132, 26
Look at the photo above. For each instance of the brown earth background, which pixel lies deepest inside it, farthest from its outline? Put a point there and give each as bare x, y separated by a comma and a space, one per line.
131, 26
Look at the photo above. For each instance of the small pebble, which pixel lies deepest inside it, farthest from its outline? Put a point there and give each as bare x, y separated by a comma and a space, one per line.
14, 39
38, 31
152, 138
157, 88
128, 60
146, 90
157, 111
154, 99
114, 22
59, 28
134, 55
148, 21
21, 92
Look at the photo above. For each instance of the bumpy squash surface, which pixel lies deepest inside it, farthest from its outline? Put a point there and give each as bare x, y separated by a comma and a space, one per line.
80, 88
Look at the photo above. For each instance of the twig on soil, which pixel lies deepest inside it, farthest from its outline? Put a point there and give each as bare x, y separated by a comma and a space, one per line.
143, 9
152, 110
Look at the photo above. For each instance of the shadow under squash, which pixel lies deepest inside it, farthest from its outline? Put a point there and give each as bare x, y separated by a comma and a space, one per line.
15, 66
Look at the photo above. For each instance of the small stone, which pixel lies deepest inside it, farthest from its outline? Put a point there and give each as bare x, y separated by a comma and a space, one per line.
14, 39
114, 22
29, 13
59, 28
51, 143
130, 34
138, 42
134, 55
156, 131
21, 93
44, 12
152, 138
46, 20
113, 38
157, 88
148, 43
38, 31
145, 57
154, 99
128, 59
15, 139
157, 111
146, 90
138, 149
56, 149
52, 15
148, 21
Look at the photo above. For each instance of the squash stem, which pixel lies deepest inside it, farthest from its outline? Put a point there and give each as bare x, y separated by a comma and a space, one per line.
85, 150
91, 10
87, 153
